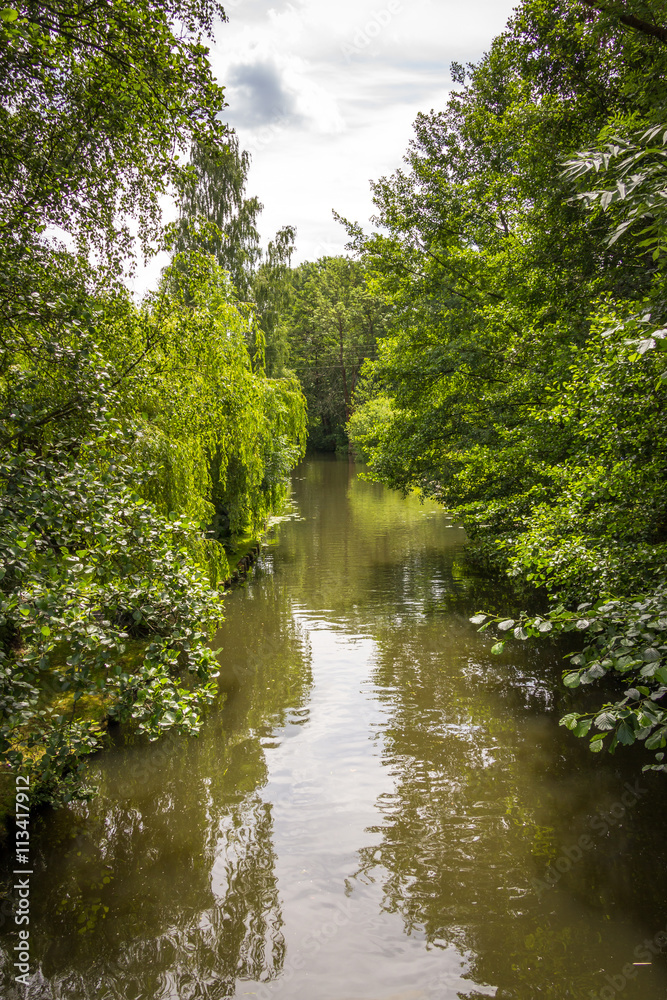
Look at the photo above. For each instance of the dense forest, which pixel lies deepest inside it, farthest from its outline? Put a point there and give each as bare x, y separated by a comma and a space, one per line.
496, 342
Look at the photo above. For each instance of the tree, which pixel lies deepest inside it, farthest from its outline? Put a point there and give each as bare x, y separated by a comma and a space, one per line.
272, 290
522, 382
217, 217
331, 327
97, 101
124, 430
215, 192
619, 12
111, 562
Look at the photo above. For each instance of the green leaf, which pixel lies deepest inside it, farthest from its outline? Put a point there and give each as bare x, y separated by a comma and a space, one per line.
652, 655
625, 734
605, 720
656, 740
572, 680
498, 648
505, 625
582, 727
8, 14
593, 673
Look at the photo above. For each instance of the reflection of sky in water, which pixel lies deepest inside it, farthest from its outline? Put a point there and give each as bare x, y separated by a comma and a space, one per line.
366, 815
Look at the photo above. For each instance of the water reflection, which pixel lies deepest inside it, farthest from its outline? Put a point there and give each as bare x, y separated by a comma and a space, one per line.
478, 845
376, 810
164, 886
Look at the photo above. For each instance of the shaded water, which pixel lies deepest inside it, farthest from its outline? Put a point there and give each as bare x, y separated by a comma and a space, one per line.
379, 809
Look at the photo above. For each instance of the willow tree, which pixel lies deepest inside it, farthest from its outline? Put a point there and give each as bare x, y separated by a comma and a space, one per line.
110, 413
218, 218
107, 515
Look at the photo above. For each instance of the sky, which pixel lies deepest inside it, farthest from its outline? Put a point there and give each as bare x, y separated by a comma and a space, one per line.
323, 95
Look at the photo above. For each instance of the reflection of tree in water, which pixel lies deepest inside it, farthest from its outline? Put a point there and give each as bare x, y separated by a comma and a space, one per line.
197, 905
245, 869
370, 556
467, 827
164, 886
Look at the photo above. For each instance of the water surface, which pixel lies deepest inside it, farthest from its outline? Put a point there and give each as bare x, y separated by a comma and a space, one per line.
378, 809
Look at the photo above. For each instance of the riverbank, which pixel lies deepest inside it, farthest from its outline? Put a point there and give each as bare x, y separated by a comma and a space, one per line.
95, 710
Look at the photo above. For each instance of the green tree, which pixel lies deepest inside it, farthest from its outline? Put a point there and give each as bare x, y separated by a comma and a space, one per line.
332, 325
218, 218
272, 289
215, 192
124, 430
522, 382
108, 590
97, 102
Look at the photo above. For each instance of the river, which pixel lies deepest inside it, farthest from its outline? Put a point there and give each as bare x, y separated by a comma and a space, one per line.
377, 809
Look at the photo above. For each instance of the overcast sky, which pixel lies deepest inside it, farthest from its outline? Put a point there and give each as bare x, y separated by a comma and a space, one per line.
324, 95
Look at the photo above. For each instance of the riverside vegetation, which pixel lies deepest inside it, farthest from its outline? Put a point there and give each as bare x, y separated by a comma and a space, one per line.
498, 345
522, 382
136, 440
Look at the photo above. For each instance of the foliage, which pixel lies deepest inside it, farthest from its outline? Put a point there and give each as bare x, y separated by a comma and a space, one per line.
109, 581
522, 382
331, 326
95, 102
633, 165
134, 440
271, 292
225, 435
364, 424
217, 218
624, 640
89, 566
215, 192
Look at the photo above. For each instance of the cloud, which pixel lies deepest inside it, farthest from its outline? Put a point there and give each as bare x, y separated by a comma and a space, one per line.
324, 96
269, 89
258, 94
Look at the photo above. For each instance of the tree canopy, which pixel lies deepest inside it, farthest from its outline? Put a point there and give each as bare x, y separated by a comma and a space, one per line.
522, 383
330, 323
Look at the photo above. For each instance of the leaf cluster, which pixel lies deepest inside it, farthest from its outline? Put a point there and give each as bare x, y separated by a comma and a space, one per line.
624, 641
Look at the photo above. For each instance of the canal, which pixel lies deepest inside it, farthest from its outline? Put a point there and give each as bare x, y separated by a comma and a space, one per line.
376, 809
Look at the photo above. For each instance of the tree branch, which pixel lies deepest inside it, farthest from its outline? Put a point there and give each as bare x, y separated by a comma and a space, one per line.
646, 27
